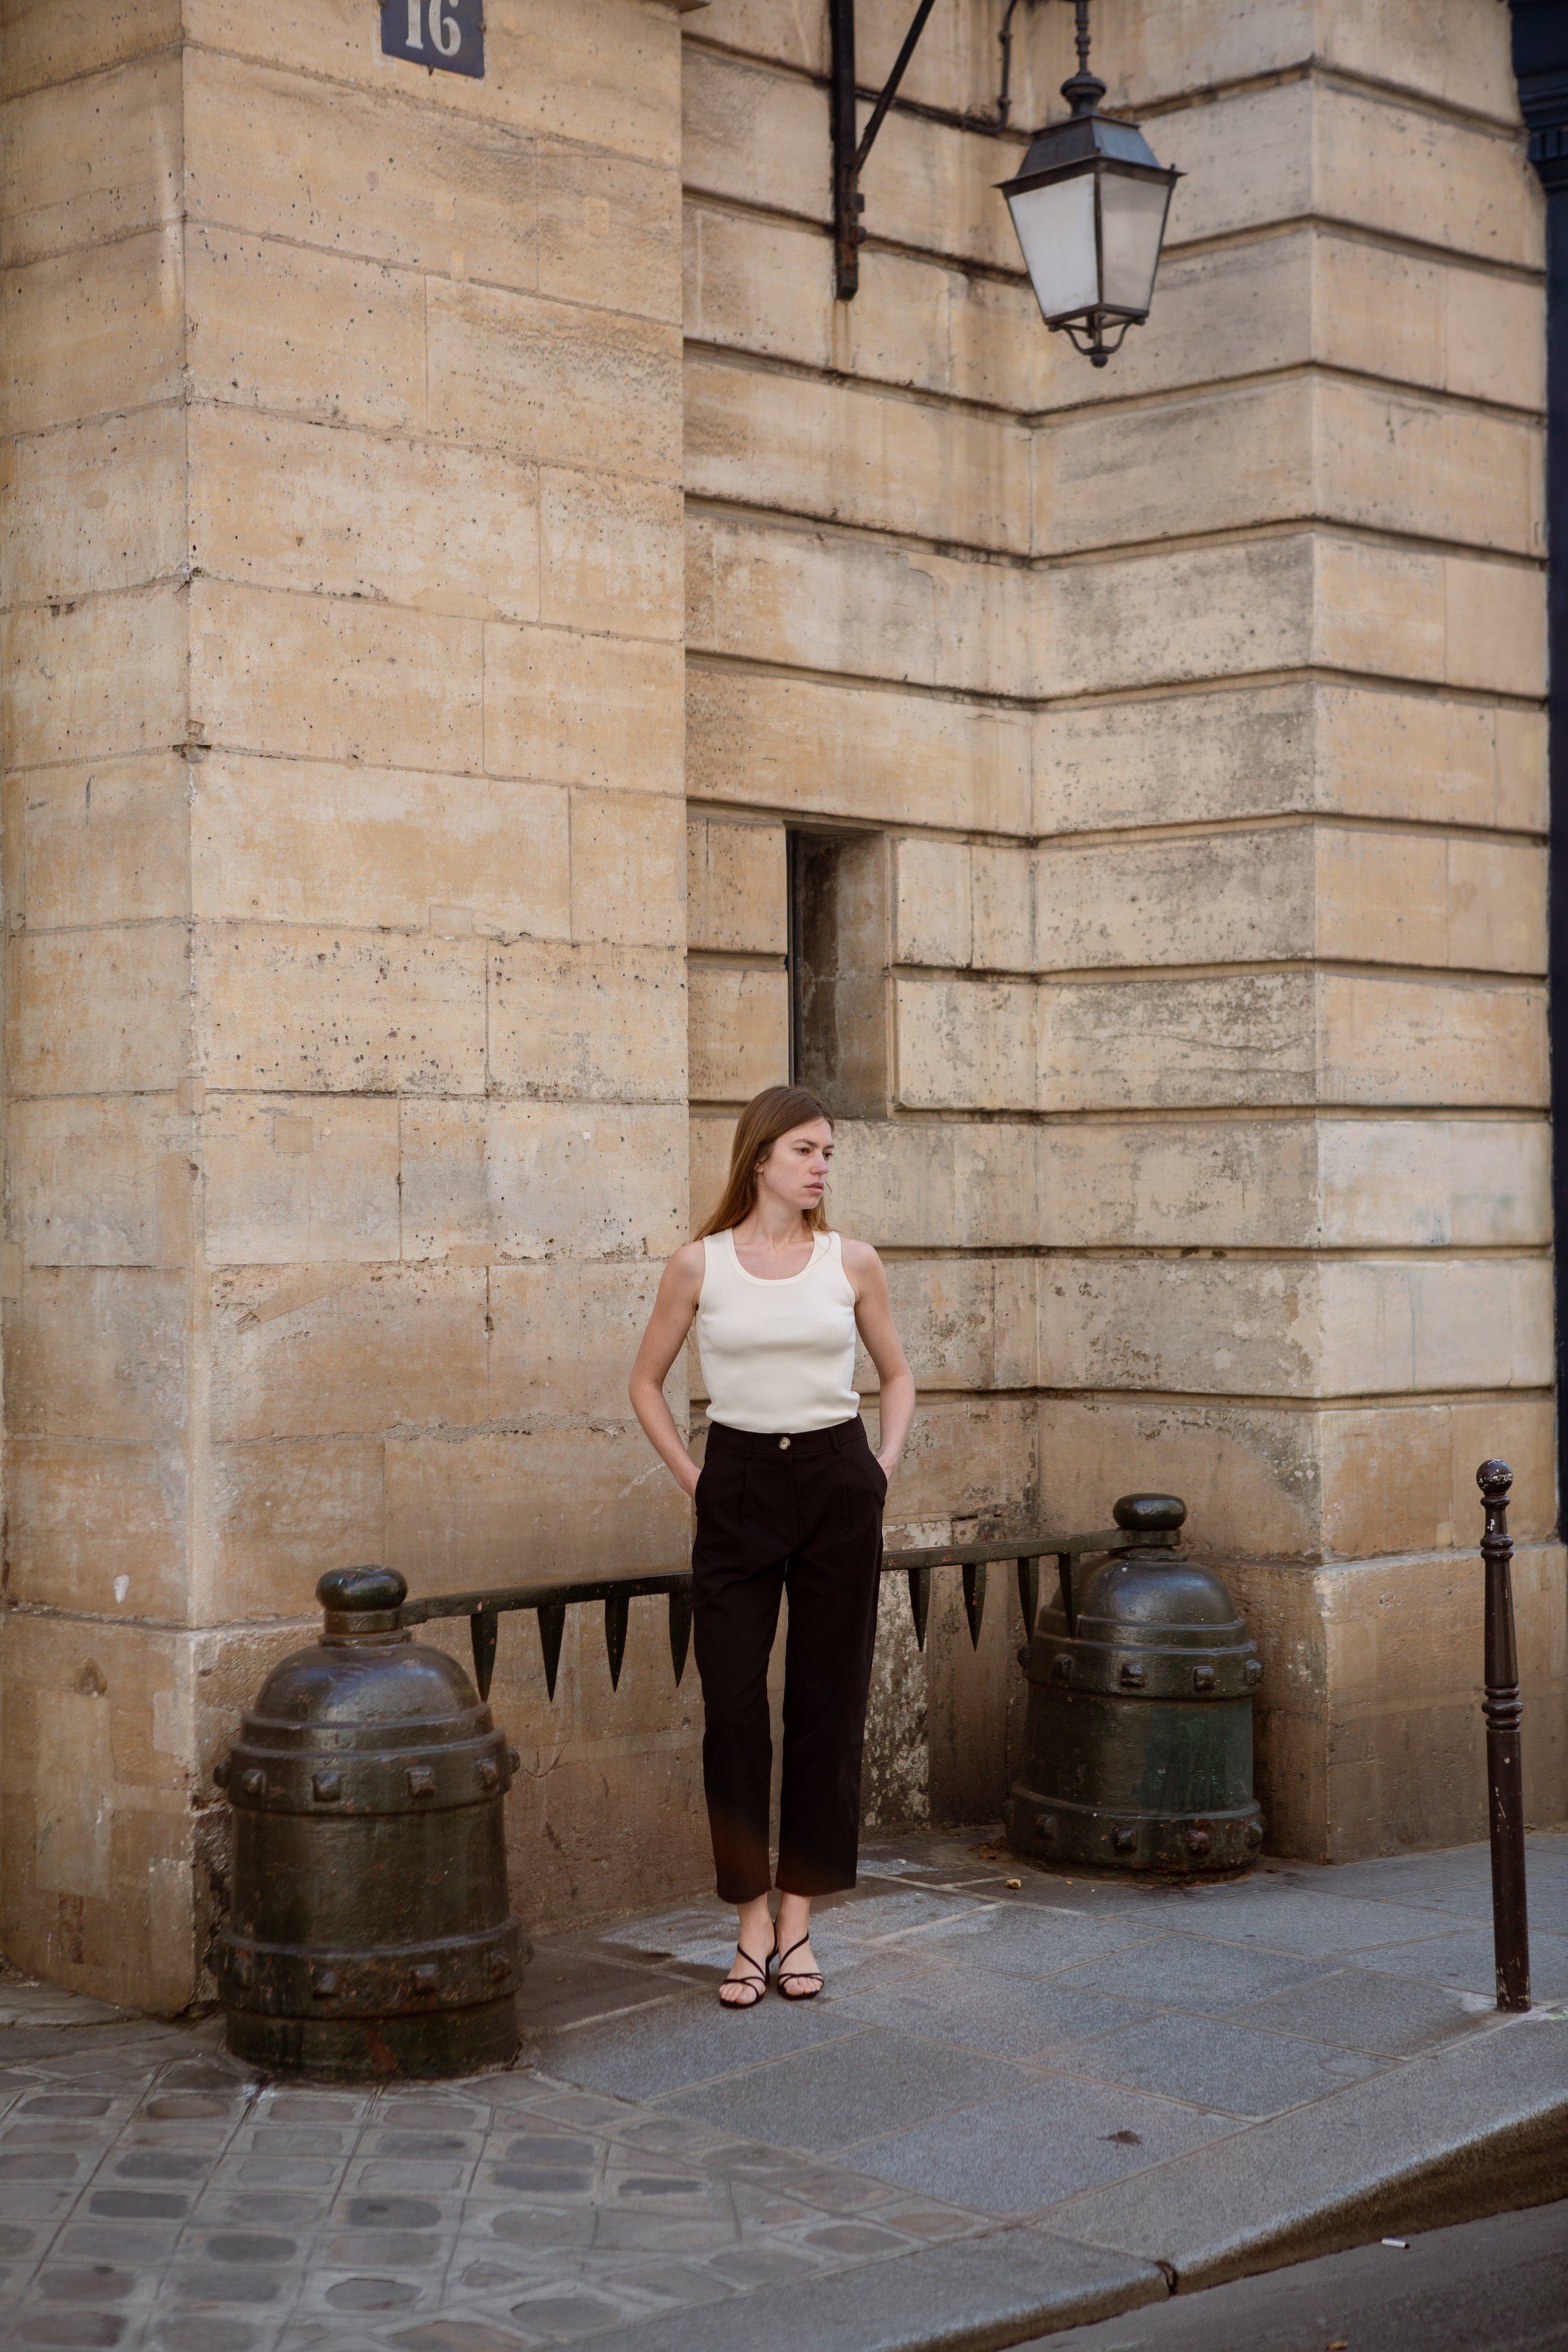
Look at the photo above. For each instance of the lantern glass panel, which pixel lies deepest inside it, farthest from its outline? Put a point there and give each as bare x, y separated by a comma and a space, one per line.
1056, 230
1133, 223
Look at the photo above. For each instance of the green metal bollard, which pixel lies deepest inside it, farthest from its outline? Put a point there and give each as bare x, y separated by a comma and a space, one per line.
1139, 1726
370, 1934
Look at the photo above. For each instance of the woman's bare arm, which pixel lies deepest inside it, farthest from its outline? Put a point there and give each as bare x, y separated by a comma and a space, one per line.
873, 1316
667, 1327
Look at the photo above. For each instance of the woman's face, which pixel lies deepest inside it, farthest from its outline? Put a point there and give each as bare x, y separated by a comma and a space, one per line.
796, 1169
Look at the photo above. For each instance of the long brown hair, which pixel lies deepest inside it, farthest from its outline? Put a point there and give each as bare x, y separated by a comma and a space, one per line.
774, 1112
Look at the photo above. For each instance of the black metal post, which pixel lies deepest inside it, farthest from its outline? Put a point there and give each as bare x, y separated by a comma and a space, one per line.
849, 154
847, 198
1505, 1771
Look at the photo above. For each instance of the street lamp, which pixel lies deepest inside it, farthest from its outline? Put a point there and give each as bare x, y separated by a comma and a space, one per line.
1090, 209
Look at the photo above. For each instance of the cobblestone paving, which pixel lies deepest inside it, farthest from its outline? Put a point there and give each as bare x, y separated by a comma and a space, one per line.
985, 2052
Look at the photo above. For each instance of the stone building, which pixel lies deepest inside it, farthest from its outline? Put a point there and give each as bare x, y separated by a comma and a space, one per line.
466, 580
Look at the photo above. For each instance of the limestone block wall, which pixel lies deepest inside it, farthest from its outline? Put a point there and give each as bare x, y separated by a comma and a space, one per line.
1199, 701
345, 849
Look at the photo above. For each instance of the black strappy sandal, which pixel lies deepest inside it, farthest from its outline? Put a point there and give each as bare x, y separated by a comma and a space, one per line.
756, 1984
798, 1976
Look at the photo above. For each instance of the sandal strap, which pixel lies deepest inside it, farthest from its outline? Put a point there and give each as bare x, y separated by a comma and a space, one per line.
797, 1975
759, 1976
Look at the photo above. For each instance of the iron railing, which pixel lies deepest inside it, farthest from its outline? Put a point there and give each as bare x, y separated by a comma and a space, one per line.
485, 1609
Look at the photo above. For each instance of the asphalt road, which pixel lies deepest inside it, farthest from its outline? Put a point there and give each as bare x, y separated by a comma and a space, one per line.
1499, 2286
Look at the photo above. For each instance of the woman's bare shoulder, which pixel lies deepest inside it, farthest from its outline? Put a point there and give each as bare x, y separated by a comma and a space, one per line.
859, 1257
683, 1270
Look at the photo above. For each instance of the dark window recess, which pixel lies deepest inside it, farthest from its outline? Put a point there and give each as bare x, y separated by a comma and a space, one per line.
839, 985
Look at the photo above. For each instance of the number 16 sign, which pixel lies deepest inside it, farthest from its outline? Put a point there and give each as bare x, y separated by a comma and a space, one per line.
448, 36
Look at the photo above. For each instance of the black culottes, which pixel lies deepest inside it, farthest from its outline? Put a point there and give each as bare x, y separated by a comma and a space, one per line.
803, 1515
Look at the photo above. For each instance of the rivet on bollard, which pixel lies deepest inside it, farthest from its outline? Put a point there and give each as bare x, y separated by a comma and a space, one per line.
1203, 1678
496, 1967
326, 1788
427, 1977
1061, 1667
323, 1983
221, 1772
421, 1780
1125, 1841
1132, 1675
1046, 1831
490, 1778
1199, 1843
1254, 1672
1254, 1834
252, 1783
513, 1760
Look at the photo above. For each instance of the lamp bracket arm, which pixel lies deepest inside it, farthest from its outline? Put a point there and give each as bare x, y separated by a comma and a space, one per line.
849, 154
890, 89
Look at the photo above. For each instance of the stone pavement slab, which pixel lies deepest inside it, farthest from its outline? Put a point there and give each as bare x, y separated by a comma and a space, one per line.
1013, 2108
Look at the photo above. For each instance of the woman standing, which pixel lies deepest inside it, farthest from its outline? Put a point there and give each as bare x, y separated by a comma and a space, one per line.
789, 1498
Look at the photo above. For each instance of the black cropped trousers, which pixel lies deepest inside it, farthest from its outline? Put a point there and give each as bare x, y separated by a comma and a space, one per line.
801, 1515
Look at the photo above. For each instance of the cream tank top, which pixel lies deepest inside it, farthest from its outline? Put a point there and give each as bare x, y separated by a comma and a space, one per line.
778, 1357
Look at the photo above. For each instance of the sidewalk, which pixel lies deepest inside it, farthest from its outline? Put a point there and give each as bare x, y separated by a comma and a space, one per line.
1013, 2111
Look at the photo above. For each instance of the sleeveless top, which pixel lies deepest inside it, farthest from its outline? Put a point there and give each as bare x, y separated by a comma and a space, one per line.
777, 1357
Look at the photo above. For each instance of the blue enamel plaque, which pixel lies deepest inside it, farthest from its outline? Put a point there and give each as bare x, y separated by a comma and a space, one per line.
448, 36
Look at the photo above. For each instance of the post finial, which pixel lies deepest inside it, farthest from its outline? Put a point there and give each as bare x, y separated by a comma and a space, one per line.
1494, 1478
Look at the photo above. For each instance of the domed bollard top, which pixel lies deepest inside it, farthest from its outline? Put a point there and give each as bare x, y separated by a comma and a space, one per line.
371, 1933
1139, 1737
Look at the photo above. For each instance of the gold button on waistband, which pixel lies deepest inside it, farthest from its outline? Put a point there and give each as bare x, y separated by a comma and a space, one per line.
783, 1445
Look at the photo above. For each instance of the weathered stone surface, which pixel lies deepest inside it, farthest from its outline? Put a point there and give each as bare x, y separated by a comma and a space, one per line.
1348, 452
297, 1009
95, 507
611, 552
93, 332
94, 681
108, 1179
570, 710
383, 847
966, 1044
279, 502
284, 153
586, 1024
1268, 751
564, 1338
292, 1179
1217, 1326
43, 42
337, 1350
98, 1352
105, 1011
334, 678
536, 1180
277, 325
803, 746
736, 887
848, 455
564, 384
1367, 896
534, 1505
628, 868
1297, 1184
98, 1529
286, 1509
1290, 1037
105, 842
739, 1032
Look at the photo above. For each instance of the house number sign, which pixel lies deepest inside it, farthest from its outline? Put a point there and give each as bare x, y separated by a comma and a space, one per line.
448, 36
